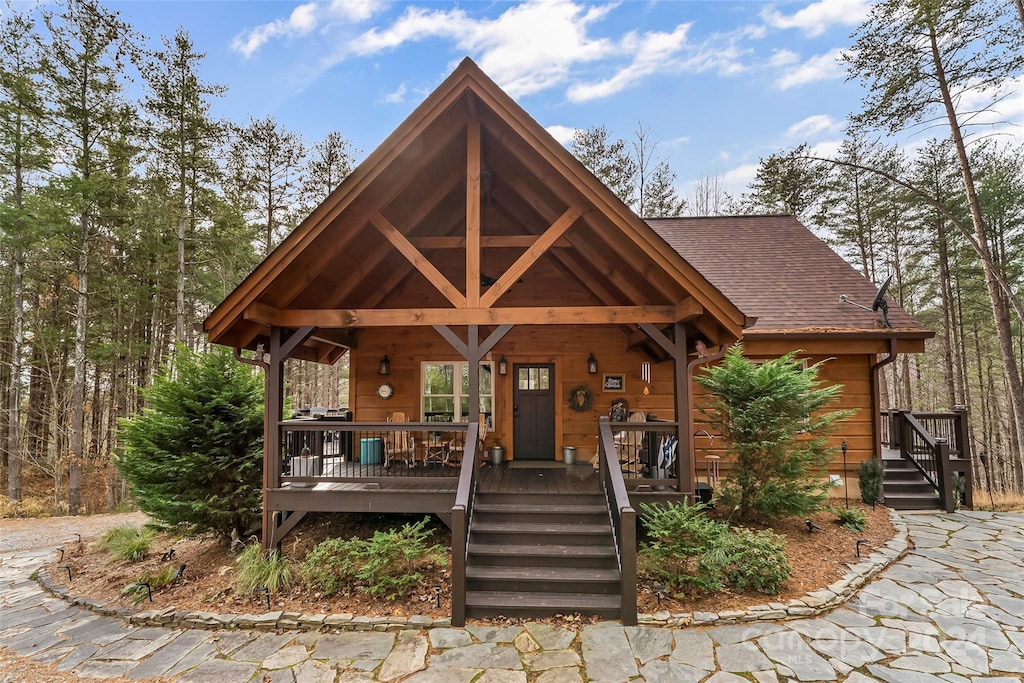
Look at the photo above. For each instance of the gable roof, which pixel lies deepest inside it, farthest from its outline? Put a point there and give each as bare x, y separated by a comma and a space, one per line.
468, 167
775, 269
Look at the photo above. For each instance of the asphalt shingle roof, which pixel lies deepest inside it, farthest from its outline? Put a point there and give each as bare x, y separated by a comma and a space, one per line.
775, 269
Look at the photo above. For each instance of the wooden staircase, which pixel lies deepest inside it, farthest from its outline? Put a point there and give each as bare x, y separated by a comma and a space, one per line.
906, 488
537, 554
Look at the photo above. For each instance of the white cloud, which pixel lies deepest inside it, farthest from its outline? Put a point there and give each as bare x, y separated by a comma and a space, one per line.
528, 48
651, 53
396, 97
563, 134
740, 177
781, 58
826, 149
818, 68
813, 126
820, 16
303, 20
354, 10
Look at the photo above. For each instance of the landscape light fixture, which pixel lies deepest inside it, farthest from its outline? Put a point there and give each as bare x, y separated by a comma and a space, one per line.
811, 526
592, 364
860, 542
64, 566
266, 592
385, 365
846, 475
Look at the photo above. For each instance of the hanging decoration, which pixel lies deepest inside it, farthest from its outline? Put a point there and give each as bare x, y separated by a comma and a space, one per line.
581, 398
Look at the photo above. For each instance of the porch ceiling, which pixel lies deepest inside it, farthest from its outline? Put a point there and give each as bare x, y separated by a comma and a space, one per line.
470, 213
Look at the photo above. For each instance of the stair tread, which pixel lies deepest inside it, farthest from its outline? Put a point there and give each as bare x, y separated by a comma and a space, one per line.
575, 574
510, 549
518, 508
576, 602
541, 527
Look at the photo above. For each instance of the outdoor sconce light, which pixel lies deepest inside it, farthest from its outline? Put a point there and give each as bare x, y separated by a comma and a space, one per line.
645, 372
592, 364
385, 365
502, 366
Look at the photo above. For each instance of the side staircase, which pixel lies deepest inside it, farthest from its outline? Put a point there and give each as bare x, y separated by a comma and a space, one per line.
536, 555
905, 487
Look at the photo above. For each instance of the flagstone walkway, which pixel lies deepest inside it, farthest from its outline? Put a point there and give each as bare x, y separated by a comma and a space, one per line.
951, 611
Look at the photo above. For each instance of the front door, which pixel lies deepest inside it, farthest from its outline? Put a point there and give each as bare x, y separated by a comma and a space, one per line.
533, 411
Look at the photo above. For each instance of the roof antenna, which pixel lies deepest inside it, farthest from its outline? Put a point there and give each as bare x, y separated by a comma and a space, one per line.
878, 304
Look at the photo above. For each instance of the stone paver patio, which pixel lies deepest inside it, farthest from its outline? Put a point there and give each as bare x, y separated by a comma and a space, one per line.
951, 611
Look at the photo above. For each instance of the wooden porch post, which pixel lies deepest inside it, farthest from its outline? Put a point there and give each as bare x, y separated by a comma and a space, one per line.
281, 349
683, 415
273, 407
676, 347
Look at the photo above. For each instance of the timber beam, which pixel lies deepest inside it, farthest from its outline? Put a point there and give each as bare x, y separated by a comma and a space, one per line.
426, 317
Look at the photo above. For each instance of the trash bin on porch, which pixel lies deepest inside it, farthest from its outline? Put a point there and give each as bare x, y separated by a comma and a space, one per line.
497, 454
569, 455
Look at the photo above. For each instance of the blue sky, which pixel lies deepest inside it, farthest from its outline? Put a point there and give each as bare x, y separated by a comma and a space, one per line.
721, 83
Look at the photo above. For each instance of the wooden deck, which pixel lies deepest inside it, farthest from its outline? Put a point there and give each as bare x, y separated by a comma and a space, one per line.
561, 479
371, 488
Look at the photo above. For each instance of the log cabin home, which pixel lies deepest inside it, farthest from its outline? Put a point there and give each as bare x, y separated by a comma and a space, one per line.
489, 291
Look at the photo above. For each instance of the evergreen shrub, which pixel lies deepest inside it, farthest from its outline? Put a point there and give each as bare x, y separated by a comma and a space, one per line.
775, 428
193, 455
688, 550
387, 565
869, 478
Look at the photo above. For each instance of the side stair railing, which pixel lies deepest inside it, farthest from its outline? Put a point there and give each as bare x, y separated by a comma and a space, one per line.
938, 446
623, 518
462, 518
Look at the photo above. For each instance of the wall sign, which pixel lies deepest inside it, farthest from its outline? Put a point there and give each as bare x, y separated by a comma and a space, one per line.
614, 383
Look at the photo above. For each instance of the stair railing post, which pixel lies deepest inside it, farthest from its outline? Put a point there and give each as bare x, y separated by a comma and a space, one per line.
458, 566
627, 572
945, 475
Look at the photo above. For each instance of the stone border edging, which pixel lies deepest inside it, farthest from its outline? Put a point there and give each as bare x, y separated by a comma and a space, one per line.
812, 604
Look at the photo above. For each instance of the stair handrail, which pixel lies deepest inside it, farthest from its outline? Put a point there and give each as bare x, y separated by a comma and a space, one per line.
462, 519
932, 461
623, 518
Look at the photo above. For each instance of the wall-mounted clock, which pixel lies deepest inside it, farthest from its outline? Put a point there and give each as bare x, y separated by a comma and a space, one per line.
385, 391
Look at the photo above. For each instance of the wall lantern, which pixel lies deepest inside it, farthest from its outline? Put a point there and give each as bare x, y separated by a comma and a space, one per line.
592, 364
645, 372
502, 366
385, 365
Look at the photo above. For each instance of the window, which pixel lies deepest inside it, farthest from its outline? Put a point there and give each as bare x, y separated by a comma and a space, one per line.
441, 401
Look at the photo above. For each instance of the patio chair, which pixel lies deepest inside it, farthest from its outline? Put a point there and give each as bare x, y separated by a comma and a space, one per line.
456, 447
628, 444
399, 443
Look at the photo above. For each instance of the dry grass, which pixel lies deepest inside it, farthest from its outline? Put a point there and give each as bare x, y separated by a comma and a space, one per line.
1005, 501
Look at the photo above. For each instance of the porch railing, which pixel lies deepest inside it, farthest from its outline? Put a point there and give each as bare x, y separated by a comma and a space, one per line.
648, 455
623, 518
325, 451
938, 446
462, 518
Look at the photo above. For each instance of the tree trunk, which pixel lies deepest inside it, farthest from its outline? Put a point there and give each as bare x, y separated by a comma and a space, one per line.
77, 435
1000, 316
14, 453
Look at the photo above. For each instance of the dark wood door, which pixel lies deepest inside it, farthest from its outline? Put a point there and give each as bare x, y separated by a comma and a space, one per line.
533, 411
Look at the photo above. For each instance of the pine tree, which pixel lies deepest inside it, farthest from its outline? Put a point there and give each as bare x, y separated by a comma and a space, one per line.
193, 455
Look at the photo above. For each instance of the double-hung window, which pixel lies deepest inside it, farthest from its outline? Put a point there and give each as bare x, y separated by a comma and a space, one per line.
445, 391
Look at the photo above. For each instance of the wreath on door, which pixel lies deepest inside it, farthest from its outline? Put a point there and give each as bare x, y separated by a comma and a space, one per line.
581, 398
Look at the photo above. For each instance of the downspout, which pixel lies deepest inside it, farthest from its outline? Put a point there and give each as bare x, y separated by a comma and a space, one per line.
876, 400
689, 401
